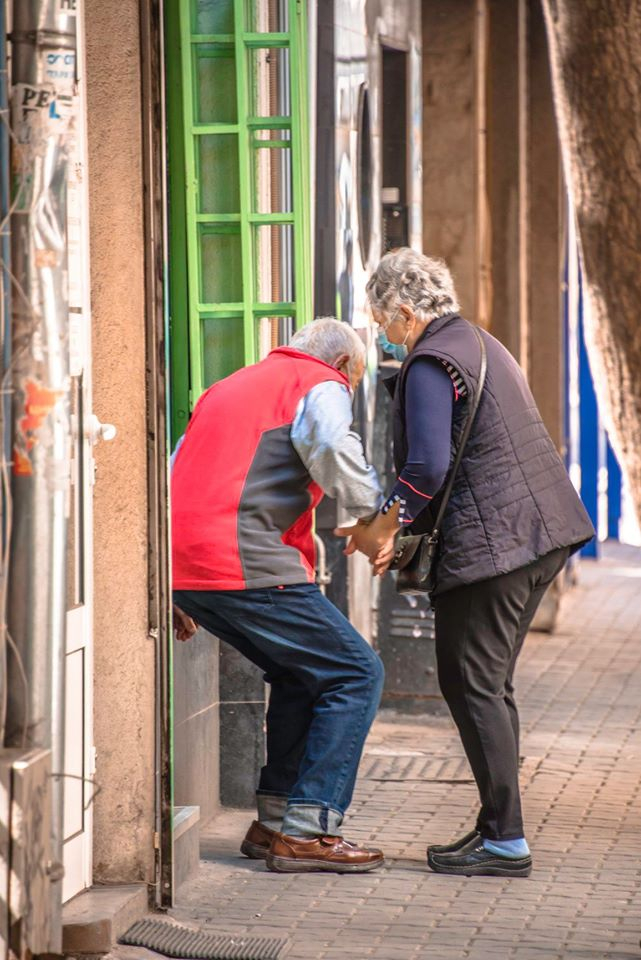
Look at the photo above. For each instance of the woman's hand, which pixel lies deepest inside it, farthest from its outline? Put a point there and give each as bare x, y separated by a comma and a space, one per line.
183, 625
383, 558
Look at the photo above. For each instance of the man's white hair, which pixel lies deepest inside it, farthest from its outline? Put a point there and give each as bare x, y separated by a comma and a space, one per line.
423, 283
328, 339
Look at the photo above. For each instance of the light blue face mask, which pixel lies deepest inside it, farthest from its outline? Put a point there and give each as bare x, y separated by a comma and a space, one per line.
398, 350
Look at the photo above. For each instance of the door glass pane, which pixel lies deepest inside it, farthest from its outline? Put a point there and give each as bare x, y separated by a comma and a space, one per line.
272, 180
75, 522
218, 173
268, 82
223, 350
272, 332
280, 135
212, 16
74, 745
274, 263
267, 16
215, 100
221, 275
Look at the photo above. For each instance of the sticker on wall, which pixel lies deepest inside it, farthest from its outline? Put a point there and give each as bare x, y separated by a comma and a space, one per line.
39, 112
60, 70
30, 106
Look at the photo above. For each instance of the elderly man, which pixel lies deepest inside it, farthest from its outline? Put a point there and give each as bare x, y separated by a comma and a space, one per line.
511, 523
261, 448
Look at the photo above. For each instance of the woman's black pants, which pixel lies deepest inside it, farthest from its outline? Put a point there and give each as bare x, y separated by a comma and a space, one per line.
480, 629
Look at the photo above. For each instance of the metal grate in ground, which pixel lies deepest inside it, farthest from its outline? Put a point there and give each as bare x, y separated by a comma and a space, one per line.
404, 768
418, 769
175, 940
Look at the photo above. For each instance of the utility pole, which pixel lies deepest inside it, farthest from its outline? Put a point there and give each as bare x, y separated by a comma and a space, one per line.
43, 79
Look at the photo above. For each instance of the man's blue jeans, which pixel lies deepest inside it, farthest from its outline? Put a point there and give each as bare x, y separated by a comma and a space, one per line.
326, 684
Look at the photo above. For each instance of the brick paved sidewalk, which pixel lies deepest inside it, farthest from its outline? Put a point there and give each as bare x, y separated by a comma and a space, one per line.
580, 696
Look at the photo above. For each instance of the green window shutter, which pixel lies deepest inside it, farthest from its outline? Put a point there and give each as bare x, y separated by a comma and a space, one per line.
240, 237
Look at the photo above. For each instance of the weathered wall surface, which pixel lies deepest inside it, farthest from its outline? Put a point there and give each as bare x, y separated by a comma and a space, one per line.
506, 173
545, 243
197, 737
124, 654
492, 190
453, 144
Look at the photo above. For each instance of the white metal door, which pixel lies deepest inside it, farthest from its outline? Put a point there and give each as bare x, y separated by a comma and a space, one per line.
79, 759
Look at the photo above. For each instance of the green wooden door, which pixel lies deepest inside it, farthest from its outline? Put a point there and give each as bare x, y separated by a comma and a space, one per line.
238, 150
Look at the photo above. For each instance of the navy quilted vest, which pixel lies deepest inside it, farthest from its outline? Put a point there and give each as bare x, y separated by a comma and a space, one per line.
512, 501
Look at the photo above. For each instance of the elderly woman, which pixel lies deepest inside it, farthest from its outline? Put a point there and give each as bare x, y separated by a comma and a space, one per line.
511, 522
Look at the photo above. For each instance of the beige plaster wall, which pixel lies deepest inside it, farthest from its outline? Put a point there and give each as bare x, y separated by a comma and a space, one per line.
124, 654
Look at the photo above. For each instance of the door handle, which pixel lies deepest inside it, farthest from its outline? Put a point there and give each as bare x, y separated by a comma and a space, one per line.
96, 430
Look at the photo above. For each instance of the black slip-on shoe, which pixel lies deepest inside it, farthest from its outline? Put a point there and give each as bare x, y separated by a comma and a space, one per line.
455, 846
476, 861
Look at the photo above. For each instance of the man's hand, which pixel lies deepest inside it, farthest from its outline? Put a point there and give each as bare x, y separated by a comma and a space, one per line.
183, 625
375, 545
361, 537
375, 539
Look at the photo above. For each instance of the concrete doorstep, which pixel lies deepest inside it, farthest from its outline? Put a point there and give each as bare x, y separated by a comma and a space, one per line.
93, 921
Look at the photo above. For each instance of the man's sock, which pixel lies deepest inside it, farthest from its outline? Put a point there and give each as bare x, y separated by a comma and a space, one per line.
512, 849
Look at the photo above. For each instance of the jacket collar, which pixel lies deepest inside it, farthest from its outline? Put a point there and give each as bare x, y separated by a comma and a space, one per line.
391, 383
299, 355
434, 326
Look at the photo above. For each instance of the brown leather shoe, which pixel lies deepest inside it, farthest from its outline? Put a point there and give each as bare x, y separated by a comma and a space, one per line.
298, 855
257, 841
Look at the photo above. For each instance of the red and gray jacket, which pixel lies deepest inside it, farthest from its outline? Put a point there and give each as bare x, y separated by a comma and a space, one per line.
242, 500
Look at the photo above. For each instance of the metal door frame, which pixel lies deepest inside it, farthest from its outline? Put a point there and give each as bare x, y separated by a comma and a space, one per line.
157, 376
79, 619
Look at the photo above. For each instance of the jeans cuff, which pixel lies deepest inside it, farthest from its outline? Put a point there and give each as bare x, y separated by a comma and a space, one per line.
271, 809
312, 820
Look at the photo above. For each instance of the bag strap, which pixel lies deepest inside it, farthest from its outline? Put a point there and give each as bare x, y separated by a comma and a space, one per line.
434, 535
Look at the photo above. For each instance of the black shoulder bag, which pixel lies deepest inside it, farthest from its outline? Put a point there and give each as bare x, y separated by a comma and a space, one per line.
415, 554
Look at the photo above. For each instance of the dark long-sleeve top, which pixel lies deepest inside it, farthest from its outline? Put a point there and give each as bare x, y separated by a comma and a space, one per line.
432, 388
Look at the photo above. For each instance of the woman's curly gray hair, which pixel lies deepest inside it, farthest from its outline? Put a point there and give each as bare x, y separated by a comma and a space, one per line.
423, 283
